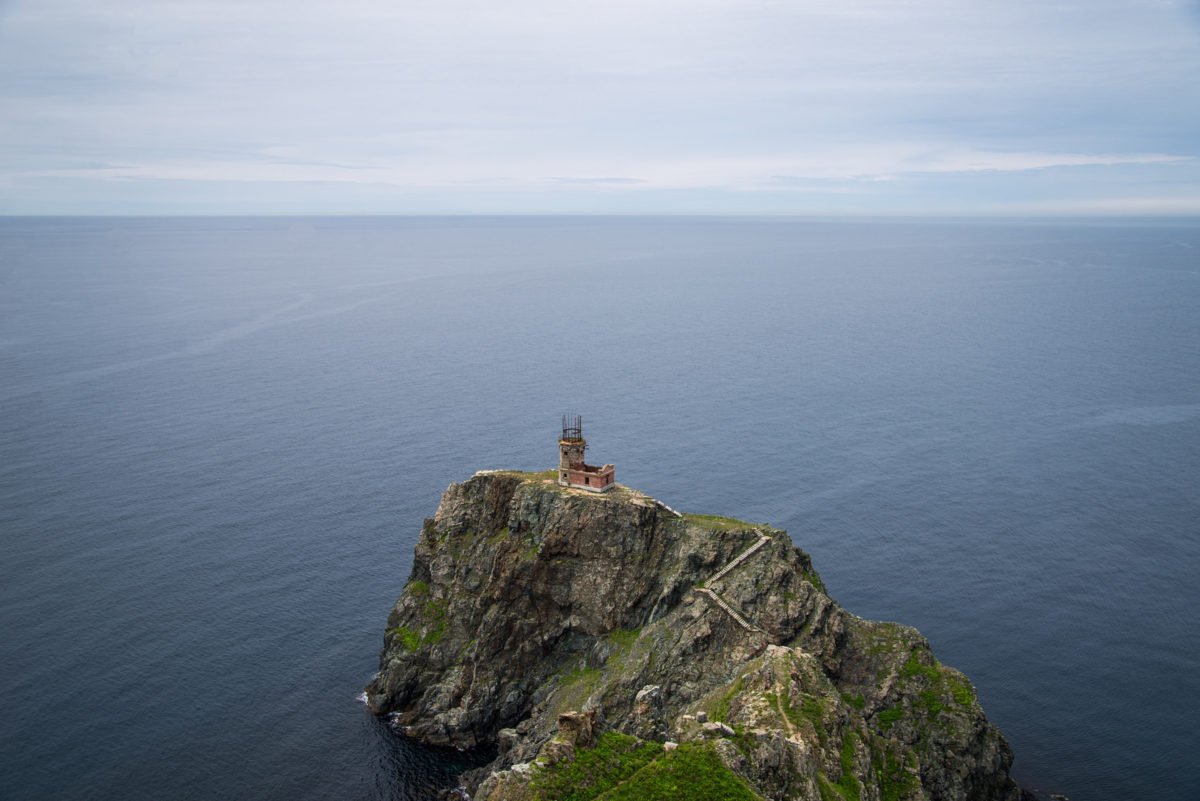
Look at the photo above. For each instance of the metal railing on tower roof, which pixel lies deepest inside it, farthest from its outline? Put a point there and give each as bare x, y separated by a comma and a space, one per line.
572, 427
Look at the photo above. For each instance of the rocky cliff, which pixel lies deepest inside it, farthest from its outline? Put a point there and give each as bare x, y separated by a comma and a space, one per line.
601, 644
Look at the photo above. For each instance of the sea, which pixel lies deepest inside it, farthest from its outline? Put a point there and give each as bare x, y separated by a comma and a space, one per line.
219, 438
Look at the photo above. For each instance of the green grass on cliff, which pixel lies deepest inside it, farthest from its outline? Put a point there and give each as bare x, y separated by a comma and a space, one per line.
585, 675
914, 668
944, 689
894, 781
847, 787
812, 711
691, 771
435, 614
940, 682
408, 638
615, 758
623, 638
961, 691
856, 701
720, 710
622, 768
720, 523
812, 578
890, 716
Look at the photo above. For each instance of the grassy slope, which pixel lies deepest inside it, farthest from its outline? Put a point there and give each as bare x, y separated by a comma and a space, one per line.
619, 769
691, 771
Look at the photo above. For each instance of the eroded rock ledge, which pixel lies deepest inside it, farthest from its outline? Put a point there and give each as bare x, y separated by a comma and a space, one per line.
545, 620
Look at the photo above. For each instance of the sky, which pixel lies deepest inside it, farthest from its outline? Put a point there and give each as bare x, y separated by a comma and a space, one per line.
842, 107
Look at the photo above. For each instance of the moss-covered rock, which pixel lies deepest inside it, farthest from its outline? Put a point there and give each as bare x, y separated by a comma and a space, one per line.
529, 603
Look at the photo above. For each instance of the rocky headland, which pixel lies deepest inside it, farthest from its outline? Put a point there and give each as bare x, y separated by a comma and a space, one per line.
611, 648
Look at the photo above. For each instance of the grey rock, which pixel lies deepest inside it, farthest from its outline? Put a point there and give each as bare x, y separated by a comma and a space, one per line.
713, 729
556, 751
506, 739
533, 615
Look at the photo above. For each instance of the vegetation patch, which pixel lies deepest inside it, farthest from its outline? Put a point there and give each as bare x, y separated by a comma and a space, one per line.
827, 789
894, 781
435, 614
848, 785
856, 701
931, 696
575, 685
436, 610
720, 523
744, 741
615, 758
811, 710
931, 701
890, 716
784, 702
961, 691
691, 771
720, 711
627, 647
583, 674
436, 634
623, 638
408, 638
418, 589
914, 668
831, 791
812, 578
814, 710
882, 638
528, 548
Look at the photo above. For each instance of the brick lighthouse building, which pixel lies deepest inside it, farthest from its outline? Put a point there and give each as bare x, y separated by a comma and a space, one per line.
572, 470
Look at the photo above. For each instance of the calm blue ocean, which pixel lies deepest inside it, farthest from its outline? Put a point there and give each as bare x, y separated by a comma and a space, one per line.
218, 439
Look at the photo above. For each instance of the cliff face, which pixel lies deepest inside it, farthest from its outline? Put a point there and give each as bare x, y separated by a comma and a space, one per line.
551, 622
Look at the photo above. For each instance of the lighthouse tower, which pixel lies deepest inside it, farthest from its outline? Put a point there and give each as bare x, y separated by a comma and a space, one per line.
570, 447
572, 470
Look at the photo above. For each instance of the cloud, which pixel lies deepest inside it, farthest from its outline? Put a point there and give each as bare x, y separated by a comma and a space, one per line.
640, 97
592, 181
746, 173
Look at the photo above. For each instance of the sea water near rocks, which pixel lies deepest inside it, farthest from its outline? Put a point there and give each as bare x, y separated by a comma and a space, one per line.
218, 438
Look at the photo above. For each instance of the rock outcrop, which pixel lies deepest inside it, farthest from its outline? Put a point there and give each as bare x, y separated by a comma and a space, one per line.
542, 620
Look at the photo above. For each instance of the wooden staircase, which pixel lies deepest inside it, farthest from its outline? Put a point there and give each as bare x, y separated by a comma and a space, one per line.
718, 600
